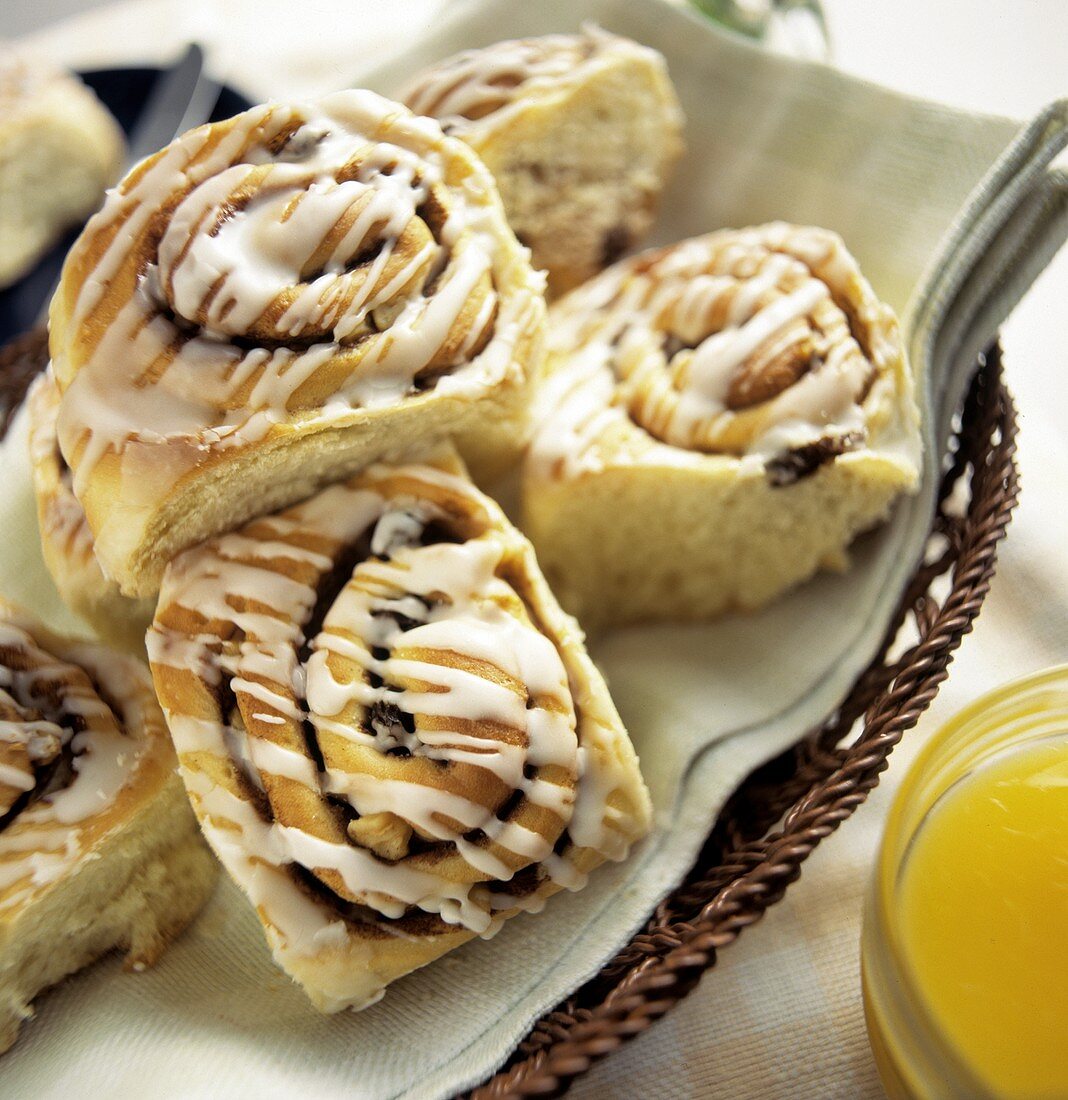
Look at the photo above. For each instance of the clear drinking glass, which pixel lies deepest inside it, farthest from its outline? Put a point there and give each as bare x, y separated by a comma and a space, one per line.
916, 1057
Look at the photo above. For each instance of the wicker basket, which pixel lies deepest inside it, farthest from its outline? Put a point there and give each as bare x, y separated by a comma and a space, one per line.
779, 815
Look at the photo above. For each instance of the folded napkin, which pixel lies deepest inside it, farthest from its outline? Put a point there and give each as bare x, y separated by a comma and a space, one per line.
951, 215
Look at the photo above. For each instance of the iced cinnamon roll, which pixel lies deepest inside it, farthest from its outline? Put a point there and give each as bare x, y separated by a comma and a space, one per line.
580, 131
272, 302
67, 542
391, 734
98, 846
722, 418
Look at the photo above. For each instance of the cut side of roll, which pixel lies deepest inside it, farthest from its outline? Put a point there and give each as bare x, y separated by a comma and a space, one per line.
721, 419
272, 302
391, 734
580, 131
98, 847
67, 541
59, 149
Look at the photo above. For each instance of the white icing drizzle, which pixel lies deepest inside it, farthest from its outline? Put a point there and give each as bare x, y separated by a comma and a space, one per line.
466, 619
477, 91
441, 710
662, 342
74, 765
313, 259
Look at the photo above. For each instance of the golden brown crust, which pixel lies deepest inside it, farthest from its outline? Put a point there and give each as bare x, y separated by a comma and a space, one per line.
67, 541
272, 302
580, 131
391, 734
720, 419
98, 848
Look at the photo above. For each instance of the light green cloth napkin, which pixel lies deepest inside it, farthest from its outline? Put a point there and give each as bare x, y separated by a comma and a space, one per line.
950, 214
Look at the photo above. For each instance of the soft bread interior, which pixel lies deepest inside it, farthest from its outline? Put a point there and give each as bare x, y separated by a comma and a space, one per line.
218, 497
648, 543
146, 882
580, 174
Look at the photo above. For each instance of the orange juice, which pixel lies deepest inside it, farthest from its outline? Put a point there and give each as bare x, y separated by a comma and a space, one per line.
983, 914
964, 951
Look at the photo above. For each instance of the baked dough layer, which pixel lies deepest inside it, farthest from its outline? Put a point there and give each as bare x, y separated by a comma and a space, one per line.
581, 133
98, 847
393, 737
721, 418
272, 302
67, 541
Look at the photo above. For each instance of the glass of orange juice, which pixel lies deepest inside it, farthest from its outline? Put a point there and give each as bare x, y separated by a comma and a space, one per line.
964, 952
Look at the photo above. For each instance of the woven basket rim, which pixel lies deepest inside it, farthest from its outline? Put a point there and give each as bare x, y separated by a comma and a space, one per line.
784, 809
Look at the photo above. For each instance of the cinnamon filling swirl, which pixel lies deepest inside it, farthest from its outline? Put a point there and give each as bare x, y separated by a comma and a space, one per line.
761, 341
290, 262
35, 755
391, 728
64, 758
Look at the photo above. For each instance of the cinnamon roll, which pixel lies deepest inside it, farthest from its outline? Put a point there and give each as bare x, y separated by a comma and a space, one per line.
722, 417
98, 846
392, 736
67, 542
580, 131
272, 302
59, 149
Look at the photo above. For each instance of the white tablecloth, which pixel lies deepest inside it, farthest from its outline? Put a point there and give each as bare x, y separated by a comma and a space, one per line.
781, 1016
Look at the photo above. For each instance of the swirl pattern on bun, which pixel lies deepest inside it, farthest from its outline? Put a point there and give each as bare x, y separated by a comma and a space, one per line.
477, 85
270, 300
98, 847
750, 341
581, 132
727, 368
391, 735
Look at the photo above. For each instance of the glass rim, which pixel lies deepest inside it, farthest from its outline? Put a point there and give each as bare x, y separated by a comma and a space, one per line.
883, 950
989, 704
